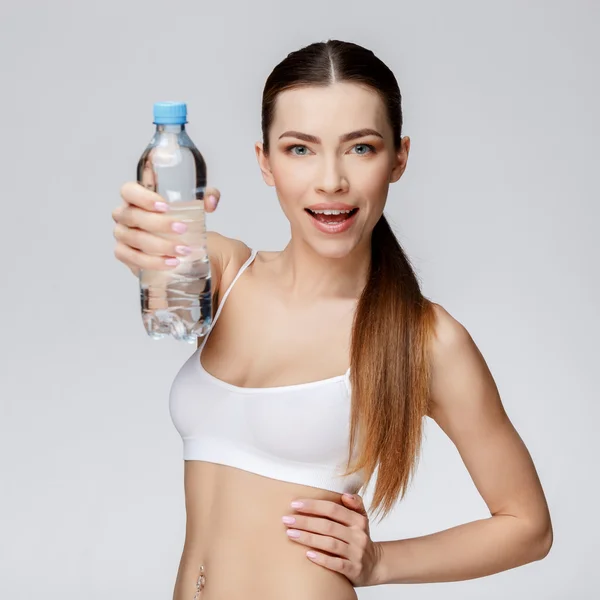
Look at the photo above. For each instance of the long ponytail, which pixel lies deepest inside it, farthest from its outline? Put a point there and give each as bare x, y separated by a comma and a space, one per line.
390, 371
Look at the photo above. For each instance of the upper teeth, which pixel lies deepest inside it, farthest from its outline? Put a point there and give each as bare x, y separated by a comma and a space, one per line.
331, 212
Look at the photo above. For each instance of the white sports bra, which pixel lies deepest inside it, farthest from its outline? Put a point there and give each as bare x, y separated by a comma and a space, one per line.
297, 433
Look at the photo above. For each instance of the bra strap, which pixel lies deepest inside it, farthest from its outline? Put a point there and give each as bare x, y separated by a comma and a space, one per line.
222, 303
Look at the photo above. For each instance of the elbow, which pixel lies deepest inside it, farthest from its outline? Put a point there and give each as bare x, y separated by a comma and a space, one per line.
546, 542
541, 540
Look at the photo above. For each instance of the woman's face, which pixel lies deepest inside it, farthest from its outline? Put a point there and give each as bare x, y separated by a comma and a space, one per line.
331, 148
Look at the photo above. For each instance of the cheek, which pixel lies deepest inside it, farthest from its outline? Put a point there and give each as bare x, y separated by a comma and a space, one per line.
292, 182
372, 182
373, 174
290, 172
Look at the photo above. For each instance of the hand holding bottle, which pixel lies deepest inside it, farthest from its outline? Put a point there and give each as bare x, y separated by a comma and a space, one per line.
141, 220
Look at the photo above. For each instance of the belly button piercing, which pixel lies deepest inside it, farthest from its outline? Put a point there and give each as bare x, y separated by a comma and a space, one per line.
200, 583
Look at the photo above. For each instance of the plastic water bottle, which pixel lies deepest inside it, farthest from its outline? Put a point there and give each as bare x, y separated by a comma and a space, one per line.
177, 302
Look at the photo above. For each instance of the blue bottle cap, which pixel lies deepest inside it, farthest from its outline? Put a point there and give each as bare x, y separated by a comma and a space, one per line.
170, 113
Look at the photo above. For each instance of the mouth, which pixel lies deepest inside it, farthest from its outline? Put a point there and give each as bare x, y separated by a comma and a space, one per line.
332, 221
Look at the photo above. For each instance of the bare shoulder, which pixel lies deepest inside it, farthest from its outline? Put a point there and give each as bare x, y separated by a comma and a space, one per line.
457, 364
226, 254
449, 332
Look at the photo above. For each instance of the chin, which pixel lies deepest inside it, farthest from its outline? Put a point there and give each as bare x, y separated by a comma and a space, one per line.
333, 248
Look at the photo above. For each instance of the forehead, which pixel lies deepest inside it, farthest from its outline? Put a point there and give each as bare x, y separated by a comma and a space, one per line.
335, 109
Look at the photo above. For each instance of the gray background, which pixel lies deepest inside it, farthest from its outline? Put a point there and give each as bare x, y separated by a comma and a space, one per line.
498, 210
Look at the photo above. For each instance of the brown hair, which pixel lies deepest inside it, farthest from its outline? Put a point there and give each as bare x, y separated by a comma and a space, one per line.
393, 323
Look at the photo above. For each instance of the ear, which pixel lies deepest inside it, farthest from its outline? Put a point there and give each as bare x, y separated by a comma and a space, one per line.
263, 163
401, 160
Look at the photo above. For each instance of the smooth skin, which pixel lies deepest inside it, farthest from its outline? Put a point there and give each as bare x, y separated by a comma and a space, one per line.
307, 293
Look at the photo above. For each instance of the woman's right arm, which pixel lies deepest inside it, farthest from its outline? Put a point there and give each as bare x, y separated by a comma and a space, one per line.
139, 223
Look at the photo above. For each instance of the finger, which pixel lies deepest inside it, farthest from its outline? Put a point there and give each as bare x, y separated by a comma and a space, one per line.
325, 543
135, 259
320, 526
116, 213
152, 222
333, 563
149, 243
135, 194
329, 509
212, 196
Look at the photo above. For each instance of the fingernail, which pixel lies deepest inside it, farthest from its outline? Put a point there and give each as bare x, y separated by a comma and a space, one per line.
172, 262
349, 496
162, 206
288, 520
179, 227
212, 200
183, 250
293, 533
297, 504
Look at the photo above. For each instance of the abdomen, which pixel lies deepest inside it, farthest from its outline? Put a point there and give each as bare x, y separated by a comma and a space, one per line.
234, 530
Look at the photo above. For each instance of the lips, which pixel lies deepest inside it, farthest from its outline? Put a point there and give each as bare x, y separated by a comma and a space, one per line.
332, 220
332, 215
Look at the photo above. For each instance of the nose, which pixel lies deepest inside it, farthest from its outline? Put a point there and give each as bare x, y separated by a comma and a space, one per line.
332, 179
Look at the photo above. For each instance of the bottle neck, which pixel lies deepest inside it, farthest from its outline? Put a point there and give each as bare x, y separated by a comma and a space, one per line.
170, 128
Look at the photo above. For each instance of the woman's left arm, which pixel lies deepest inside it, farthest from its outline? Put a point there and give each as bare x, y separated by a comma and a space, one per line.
466, 404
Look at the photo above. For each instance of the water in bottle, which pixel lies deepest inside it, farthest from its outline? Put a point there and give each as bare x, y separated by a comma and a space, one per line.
177, 302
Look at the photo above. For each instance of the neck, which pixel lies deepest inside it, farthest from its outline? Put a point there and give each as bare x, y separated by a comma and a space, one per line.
307, 274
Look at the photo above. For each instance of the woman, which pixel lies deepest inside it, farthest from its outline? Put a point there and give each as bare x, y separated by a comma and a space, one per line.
322, 347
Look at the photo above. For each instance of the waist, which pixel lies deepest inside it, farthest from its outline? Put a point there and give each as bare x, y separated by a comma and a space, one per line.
235, 533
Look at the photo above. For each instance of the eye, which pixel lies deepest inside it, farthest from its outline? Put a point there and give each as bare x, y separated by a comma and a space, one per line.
364, 148
290, 149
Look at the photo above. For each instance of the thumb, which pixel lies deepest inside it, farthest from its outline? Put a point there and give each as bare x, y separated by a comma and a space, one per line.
212, 196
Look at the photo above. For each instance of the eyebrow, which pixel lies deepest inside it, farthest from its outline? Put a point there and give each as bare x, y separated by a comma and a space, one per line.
343, 138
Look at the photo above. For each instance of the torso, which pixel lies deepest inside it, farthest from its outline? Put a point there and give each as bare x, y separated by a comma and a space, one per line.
234, 528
